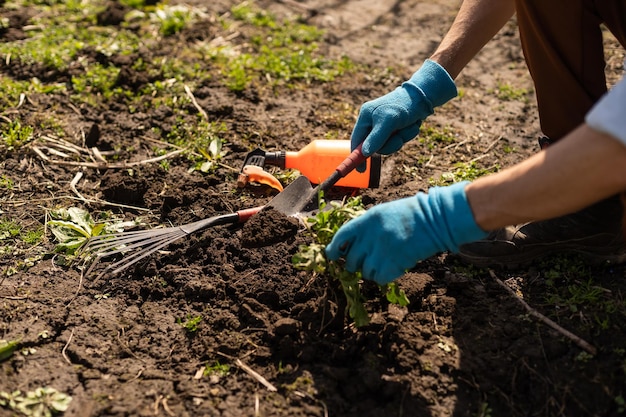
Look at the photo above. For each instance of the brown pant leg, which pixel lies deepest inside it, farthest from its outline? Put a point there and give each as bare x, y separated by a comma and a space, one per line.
614, 13
562, 44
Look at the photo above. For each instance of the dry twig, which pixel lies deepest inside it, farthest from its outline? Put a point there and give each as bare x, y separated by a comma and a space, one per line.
255, 375
195, 103
63, 352
571, 336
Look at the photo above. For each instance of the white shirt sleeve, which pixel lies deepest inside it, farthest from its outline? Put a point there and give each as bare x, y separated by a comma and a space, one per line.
608, 115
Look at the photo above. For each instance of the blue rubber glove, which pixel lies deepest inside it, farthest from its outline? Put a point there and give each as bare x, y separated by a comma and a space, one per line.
392, 237
388, 122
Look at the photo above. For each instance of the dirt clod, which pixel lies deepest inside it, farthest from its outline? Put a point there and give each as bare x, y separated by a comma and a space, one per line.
268, 227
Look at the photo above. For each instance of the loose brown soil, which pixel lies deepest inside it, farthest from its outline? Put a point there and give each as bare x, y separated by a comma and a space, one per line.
463, 347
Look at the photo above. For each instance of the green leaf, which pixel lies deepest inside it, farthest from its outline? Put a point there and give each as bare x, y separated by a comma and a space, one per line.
395, 295
215, 147
7, 348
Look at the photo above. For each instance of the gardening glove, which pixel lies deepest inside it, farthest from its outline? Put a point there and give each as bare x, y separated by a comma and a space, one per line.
392, 237
388, 122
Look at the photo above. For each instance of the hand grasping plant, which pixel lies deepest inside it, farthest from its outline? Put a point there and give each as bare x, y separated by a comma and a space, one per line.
313, 258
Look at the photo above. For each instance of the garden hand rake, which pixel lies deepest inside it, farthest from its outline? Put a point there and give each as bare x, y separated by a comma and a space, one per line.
297, 197
143, 243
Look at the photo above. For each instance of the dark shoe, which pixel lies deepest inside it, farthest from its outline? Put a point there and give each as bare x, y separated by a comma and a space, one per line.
595, 232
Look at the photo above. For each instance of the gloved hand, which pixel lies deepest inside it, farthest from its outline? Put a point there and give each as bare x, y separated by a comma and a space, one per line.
392, 237
388, 122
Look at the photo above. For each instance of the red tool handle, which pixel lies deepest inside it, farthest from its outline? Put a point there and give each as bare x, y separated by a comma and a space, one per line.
245, 214
352, 161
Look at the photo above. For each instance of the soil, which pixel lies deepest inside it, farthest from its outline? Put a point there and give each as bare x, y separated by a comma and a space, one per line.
464, 346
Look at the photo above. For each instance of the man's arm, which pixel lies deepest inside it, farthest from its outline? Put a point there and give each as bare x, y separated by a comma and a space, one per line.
583, 168
391, 237
475, 24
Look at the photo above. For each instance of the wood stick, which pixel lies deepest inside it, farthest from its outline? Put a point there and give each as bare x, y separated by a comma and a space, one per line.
98, 165
577, 340
255, 375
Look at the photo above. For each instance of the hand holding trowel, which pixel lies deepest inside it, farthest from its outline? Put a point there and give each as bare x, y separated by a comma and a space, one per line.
298, 197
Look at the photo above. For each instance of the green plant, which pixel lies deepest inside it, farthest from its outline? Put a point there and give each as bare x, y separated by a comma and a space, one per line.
279, 52
191, 323
15, 135
97, 79
32, 237
484, 410
73, 226
583, 357
312, 258
464, 172
216, 369
213, 153
506, 91
432, 136
102, 296
42, 402
7, 348
6, 182
173, 19
508, 148
136, 4
621, 404
205, 141
9, 229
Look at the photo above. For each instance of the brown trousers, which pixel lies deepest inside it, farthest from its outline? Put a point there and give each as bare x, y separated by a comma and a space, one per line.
562, 44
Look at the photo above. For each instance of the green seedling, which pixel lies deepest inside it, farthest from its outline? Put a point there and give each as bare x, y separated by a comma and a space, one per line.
42, 402
204, 140
7, 348
213, 154
464, 172
303, 383
73, 226
173, 19
484, 410
97, 79
434, 137
6, 182
32, 237
570, 287
216, 369
507, 92
313, 258
621, 404
135, 4
14, 135
9, 229
191, 323
282, 52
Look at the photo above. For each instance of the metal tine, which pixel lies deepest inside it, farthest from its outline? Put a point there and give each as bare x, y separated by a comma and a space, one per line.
139, 255
121, 246
134, 257
132, 233
111, 244
104, 243
122, 241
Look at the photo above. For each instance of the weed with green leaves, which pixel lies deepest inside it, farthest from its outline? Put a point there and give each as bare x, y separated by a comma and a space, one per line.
191, 323
42, 402
312, 258
74, 226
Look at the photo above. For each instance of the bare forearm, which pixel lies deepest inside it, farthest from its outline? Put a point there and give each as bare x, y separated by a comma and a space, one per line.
581, 169
475, 24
